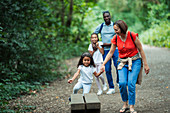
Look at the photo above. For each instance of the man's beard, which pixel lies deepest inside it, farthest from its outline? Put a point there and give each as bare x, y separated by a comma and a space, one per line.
108, 21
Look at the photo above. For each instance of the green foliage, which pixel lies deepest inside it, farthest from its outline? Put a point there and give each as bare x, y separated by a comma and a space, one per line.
25, 57
9, 90
36, 36
158, 35
137, 27
140, 16
127, 10
157, 13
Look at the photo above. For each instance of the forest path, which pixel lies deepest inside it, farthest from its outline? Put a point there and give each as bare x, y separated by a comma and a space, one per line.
153, 96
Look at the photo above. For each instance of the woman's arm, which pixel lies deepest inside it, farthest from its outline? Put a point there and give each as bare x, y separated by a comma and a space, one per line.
100, 49
139, 46
74, 77
108, 57
110, 54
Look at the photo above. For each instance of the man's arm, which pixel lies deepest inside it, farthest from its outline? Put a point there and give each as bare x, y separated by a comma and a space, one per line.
97, 29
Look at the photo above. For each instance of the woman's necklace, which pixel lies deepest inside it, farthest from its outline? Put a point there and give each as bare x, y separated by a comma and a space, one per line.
124, 39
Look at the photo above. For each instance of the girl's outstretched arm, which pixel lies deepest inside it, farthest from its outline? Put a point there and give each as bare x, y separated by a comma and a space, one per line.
74, 77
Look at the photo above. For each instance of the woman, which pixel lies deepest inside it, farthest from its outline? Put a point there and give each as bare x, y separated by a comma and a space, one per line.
128, 45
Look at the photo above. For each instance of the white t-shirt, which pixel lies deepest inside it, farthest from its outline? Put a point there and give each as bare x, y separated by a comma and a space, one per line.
86, 73
97, 55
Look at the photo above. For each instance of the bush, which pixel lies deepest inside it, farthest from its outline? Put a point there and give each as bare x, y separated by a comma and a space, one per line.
157, 35
25, 58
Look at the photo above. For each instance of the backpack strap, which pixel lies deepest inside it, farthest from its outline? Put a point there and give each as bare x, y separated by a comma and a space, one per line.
101, 28
132, 38
116, 40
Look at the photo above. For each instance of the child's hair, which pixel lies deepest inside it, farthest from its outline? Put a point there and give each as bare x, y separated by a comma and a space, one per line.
86, 54
96, 35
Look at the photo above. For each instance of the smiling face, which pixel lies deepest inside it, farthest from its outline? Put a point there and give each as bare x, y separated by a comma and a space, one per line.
107, 19
86, 61
117, 30
94, 38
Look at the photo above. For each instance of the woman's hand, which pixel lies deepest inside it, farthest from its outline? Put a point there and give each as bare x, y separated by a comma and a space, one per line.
102, 69
70, 81
146, 68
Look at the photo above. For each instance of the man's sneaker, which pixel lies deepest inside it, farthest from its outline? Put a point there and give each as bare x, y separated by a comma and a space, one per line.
105, 87
99, 92
110, 91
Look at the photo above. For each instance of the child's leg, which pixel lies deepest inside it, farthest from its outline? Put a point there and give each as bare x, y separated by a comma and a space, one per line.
97, 78
102, 79
98, 83
77, 87
101, 76
86, 87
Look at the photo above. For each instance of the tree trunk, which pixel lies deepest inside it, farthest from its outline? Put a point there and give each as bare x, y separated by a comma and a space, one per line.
81, 23
62, 12
69, 19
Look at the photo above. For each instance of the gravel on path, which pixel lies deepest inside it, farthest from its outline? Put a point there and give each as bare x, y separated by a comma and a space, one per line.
153, 96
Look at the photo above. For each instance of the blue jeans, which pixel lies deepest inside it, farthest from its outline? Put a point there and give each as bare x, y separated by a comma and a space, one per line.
129, 78
85, 86
108, 67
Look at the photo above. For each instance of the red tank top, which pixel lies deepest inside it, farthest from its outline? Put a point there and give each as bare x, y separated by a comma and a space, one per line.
127, 48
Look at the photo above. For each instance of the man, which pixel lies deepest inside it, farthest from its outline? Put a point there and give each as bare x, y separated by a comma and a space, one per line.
107, 32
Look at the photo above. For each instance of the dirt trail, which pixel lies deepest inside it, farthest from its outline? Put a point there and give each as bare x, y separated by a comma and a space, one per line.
153, 96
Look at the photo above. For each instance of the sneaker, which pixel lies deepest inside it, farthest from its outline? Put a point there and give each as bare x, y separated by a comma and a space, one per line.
105, 87
99, 92
117, 84
69, 99
110, 91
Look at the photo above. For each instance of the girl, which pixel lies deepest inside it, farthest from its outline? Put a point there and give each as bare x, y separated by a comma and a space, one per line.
96, 50
86, 68
129, 48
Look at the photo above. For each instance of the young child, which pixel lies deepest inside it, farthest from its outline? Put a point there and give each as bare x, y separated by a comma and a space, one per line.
96, 50
86, 69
